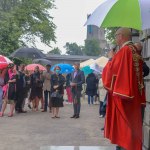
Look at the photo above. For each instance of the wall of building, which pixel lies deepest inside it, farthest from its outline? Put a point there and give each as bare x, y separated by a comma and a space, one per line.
68, 59
93, 32
145, 37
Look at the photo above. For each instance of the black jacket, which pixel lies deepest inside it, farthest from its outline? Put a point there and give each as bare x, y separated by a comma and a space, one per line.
58, 80
92, 83
68, 77
145, 69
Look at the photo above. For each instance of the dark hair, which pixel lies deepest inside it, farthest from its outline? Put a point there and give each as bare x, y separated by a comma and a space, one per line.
77, 63
57, 67
11, 65
22, 65
48, 65
37, 67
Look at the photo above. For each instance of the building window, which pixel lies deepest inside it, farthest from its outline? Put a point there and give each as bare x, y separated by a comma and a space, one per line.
90, 29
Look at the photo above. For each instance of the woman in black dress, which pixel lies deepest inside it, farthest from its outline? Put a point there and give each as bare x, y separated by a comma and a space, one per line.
57, 86
36, 88
91, 89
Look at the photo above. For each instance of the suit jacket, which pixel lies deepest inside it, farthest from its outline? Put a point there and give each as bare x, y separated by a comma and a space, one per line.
79, 79
47, 81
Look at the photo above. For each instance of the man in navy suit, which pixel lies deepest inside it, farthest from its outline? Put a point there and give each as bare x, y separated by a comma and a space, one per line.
77, 79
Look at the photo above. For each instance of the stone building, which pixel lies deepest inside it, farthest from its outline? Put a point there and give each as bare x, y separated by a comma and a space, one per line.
69, 59
94, 32
145, 38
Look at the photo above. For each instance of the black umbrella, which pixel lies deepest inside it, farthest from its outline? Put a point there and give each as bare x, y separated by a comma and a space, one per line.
42, 61
26, 52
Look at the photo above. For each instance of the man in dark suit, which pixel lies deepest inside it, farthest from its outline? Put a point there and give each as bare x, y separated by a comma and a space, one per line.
20, 88
77, 79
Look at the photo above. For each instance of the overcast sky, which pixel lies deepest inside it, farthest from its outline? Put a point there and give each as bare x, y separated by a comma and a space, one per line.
69, 18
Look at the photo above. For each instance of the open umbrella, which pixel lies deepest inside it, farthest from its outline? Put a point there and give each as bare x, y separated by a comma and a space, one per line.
31, 67
101, 61
86, 63
122, 13
65, 68
4, 62
96, 68
26, 52
87, 70
42, 61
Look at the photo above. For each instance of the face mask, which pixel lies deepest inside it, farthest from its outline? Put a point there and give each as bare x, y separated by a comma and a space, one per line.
57, 71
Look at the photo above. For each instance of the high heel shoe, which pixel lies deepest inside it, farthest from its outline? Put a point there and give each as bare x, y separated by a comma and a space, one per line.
1, 114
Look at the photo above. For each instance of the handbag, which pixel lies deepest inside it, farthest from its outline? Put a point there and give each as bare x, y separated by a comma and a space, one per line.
56, 95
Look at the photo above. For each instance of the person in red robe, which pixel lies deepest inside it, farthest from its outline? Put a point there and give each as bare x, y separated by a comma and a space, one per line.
122, 77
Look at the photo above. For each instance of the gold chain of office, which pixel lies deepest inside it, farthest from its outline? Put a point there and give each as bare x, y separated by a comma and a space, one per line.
136, 60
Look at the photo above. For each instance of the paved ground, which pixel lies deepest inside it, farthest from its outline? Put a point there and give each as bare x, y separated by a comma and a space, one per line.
37, 130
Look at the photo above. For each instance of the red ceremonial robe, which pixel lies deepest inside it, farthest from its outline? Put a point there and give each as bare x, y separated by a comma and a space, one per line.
122, 77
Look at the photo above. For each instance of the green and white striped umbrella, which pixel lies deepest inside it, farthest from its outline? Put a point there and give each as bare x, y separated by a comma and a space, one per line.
122, 13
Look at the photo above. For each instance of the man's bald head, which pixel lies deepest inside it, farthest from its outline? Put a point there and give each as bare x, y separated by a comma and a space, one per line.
123, 35
125, 31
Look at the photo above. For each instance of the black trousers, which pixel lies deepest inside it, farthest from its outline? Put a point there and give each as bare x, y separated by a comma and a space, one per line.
20, 99
46, 95
77, 107
76, 94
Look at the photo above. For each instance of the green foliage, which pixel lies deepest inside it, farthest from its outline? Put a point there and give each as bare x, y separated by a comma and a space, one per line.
27, 19
56, 50
19, 61
92, 48
73, 49
26, 61
110, 34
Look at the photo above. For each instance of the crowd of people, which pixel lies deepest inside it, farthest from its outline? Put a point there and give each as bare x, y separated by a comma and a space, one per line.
44, 87
122, 105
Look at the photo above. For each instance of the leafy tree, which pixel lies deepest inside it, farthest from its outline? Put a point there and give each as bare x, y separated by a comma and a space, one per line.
19, 61
110, 34
73, 49
25, 19
56, 50
92, 48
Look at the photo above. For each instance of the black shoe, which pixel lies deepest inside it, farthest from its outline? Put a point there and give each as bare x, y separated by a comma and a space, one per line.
22, 111
119, 148
74, 116
102, 129
77, 116
44, 111
29, 106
